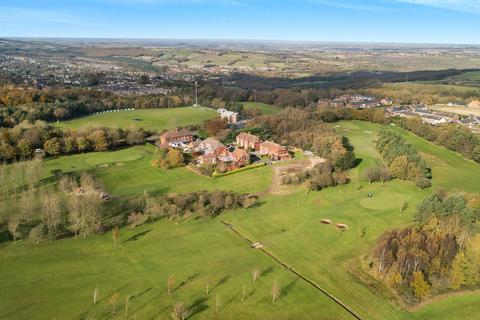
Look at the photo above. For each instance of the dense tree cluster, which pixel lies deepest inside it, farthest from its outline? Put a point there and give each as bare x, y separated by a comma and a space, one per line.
168, 158
321, 176
453, 137
21, 141
402, 158
52, 104
296, 127
440, 253
380, 173
196, 204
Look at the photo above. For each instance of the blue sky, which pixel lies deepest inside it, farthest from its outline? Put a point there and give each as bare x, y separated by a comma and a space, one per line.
422, 21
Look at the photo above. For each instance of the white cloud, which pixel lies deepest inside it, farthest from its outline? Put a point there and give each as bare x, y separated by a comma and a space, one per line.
472, 6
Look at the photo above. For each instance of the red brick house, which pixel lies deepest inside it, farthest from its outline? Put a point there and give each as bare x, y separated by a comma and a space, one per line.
274, 150
207, 159
240, 157
247, 141
209, 145
176, 136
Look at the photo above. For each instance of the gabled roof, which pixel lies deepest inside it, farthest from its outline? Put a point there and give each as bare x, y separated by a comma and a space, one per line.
211, 143
176, 133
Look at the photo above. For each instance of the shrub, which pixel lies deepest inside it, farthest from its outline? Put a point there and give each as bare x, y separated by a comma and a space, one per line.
423, 183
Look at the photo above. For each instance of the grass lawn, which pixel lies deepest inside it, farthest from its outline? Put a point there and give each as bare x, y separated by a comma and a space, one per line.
263, 107
129, 172
151, 119
290, 227
56, 279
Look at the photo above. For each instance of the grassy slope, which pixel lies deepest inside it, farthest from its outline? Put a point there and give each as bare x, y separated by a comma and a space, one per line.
129, 172
264, 108
56, 280
144, 118
289, 226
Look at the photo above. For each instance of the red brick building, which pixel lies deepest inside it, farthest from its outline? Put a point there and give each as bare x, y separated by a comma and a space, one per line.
176, 136
247, 141
274, 150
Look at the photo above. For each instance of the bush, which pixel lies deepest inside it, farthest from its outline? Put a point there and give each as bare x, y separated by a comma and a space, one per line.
202, 203
252, 166
423, 183
136, 219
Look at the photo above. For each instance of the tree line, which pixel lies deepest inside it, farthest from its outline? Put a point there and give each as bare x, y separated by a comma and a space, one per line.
438, 254
402, 158
21, 141
51, 104
195, 204
453, 137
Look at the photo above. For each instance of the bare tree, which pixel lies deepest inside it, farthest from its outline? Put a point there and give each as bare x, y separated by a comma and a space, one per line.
113, 301
67, 184
91, 206
27, 201
255, 274
217, 303
127, 305
275, 291
33, 172
95, 295
76, 218
51, 212
170, 282
87, 183
13, 224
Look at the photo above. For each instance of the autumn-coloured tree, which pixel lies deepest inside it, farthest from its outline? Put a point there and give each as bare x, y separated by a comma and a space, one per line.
457, 272
215, 126
53, 147
419, 285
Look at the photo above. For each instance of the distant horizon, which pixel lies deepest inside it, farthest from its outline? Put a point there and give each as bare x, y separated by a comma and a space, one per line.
448, 22
233, 40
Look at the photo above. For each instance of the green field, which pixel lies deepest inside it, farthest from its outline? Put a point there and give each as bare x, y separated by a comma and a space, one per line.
263, 107
56, 279
149, 119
